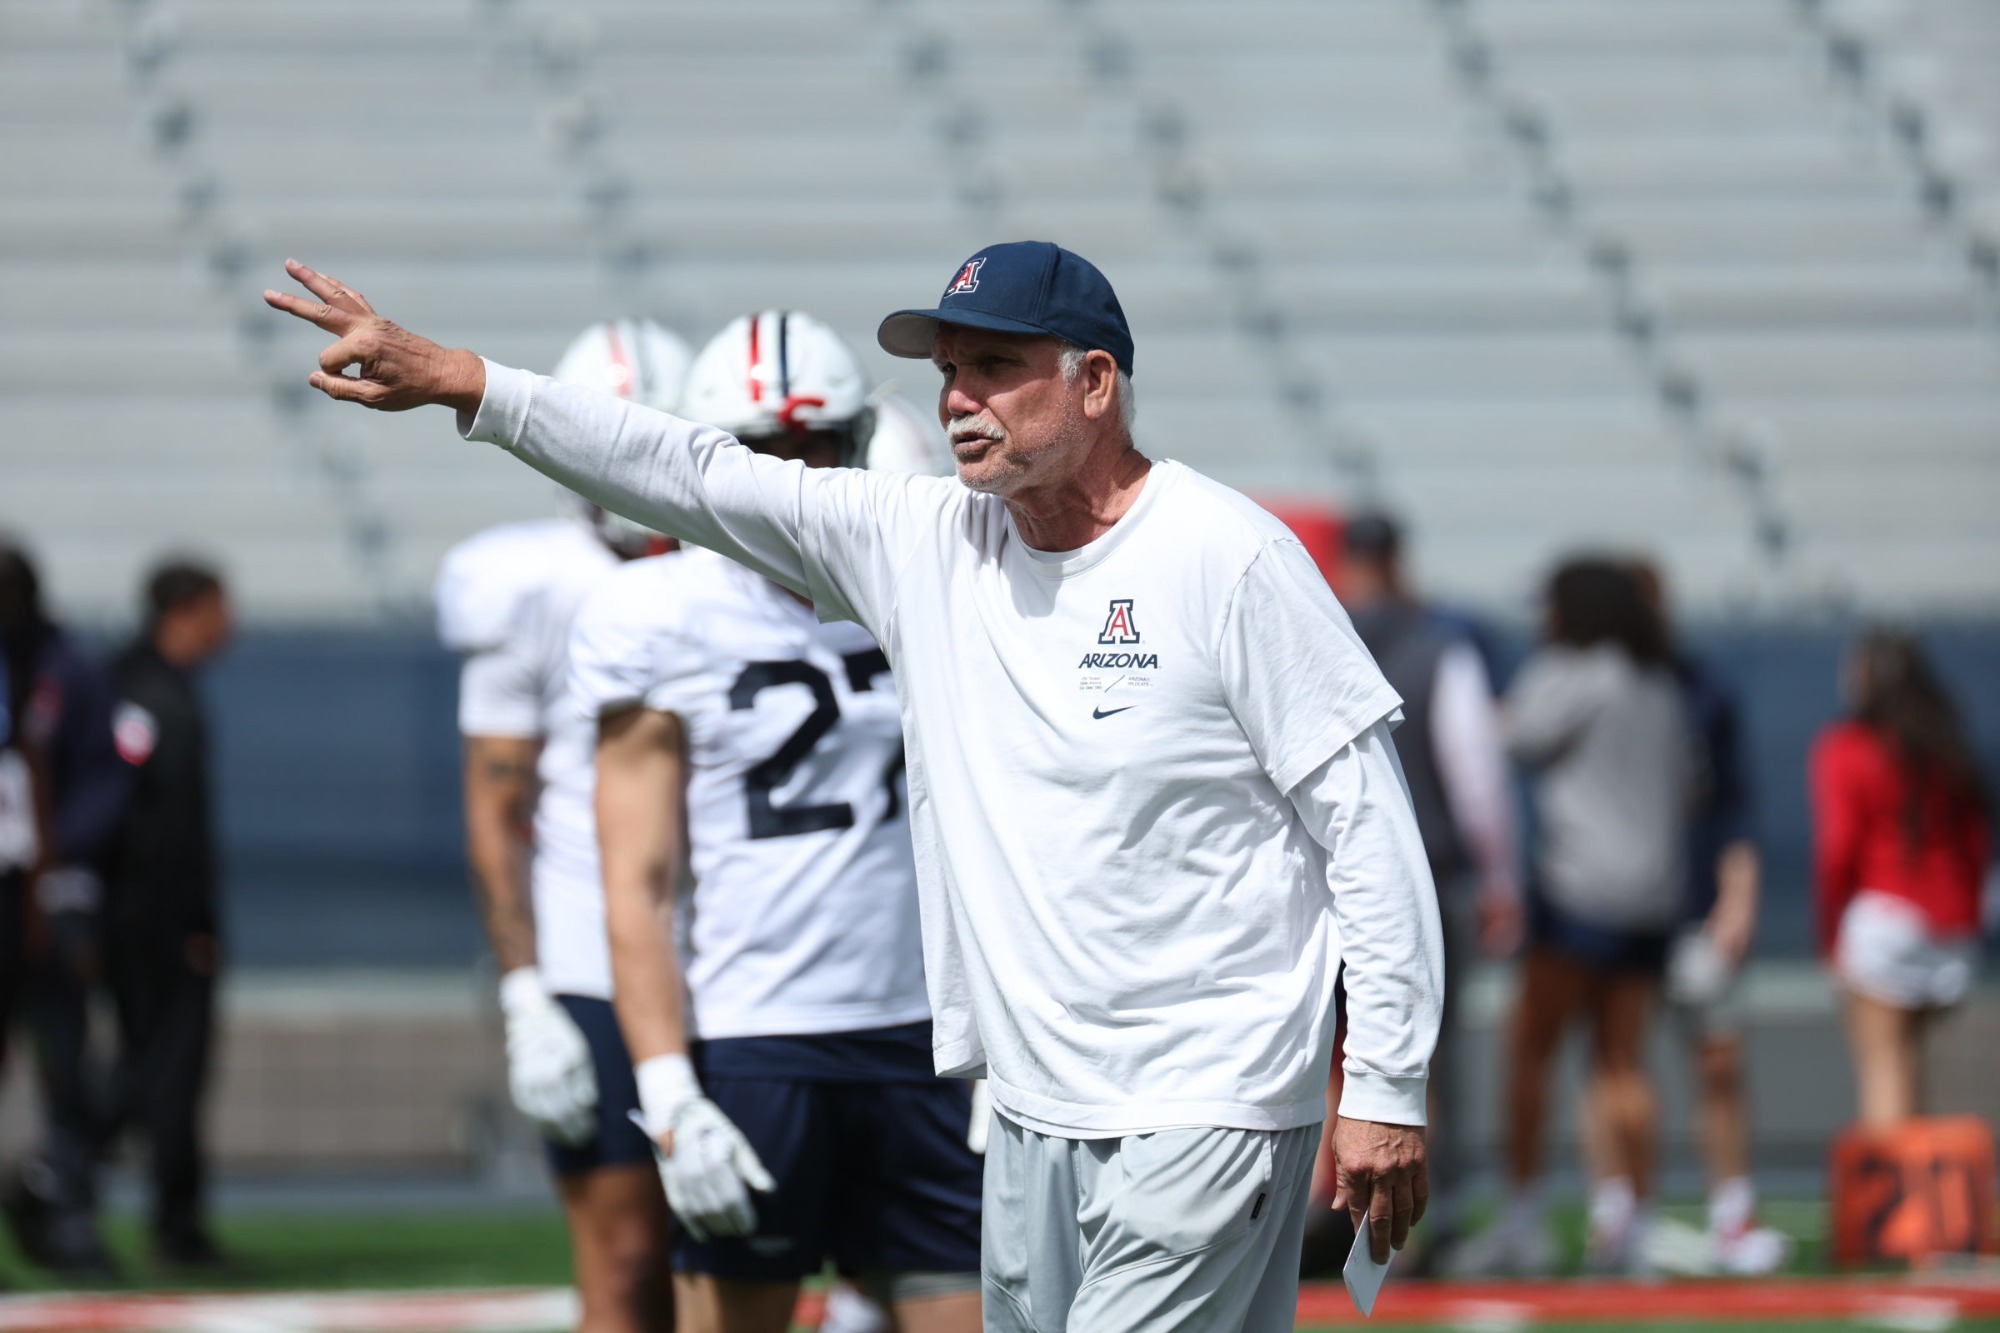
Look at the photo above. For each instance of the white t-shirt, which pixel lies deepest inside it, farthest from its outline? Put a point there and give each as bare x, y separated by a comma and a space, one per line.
803, 918
1129, 922
505, 599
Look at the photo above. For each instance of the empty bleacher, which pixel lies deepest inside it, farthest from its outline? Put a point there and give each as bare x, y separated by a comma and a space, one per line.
1533, 271
1769, 227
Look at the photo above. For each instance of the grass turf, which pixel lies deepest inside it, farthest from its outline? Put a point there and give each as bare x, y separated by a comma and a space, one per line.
331, 1251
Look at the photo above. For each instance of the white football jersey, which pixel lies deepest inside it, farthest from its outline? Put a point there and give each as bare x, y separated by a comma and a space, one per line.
505, 599
803, 914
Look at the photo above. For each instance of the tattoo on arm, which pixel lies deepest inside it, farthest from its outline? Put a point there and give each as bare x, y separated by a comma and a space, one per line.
499, 806
509, 918
641, 815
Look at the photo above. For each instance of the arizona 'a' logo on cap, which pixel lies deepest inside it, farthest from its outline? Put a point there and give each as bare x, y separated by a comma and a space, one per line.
967, 279
1119, 627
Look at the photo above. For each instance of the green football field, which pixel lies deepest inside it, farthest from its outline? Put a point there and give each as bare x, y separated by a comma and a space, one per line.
329, 1251
432, 1250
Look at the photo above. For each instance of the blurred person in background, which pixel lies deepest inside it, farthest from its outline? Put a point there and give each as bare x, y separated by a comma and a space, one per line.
1902, 838
778, 1009
162, 918
1597, 713
1455, 762
64, 714
505, 600
1705, 965
24, 833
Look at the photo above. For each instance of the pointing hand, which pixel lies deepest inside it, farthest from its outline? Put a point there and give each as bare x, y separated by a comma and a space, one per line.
394, 369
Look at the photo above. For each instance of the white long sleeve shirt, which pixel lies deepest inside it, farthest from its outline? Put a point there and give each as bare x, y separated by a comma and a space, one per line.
1151, 807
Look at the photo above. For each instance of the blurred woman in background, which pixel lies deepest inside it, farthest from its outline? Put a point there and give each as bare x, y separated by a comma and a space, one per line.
1597, 712
1902, 837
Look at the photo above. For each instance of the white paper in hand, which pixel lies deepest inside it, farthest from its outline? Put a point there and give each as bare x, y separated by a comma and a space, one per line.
1363, 1275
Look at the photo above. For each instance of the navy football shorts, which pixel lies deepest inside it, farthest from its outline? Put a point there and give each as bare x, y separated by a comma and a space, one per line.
617, 1142
873, 1175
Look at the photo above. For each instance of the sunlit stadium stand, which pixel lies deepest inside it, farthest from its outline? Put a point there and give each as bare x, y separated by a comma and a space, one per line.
1715, 278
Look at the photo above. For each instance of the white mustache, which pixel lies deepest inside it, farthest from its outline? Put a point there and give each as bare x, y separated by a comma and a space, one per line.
962, 429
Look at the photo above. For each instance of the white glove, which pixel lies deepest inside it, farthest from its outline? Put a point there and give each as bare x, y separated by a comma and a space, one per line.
548, 1061
982, 1117
712, 1168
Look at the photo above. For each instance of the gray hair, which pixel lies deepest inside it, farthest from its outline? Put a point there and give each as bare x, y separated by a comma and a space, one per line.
1072, 366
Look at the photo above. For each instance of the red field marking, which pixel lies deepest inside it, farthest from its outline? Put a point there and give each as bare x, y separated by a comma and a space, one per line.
1490, 1305
1504, 1303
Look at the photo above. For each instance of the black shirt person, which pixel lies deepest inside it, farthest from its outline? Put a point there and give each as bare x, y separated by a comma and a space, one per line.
162, 925
57, 738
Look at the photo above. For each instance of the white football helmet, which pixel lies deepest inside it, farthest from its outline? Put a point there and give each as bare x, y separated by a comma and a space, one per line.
638, 359
780, 372
908, 439
633, 358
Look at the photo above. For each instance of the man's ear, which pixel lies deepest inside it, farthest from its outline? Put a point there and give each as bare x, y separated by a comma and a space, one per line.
1100, 384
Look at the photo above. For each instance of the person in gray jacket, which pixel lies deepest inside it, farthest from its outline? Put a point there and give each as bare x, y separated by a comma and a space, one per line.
1597, 714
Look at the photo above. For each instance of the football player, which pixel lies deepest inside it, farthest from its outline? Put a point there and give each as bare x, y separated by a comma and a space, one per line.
777, 1009
505, 600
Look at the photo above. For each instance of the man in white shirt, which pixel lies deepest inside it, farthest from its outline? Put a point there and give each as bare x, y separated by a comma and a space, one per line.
1153, 796
505, 600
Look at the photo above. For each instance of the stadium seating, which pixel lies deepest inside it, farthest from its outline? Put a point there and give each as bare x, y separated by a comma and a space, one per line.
1536, 272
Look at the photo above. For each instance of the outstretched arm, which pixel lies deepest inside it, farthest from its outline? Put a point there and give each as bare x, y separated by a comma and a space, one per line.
690, 482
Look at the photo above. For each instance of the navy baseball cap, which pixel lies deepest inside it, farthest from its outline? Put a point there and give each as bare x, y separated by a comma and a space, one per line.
1033, 287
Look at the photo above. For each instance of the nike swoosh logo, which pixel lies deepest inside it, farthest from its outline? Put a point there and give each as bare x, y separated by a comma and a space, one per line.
1107, 712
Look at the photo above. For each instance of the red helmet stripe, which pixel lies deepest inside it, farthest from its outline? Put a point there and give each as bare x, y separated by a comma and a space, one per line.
627, 382
789, 413
756, 385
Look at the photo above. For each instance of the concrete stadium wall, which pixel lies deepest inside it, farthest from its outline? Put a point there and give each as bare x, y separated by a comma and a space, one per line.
360, 1029
338, 766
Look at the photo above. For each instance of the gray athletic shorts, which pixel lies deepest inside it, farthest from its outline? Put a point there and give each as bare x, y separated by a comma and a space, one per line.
1184, 1229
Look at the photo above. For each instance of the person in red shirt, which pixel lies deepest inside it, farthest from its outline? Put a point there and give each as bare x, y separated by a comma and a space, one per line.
1902, 838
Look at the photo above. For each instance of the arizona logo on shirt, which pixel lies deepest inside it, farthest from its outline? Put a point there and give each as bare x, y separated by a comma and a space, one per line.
1119, 626
967, 279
